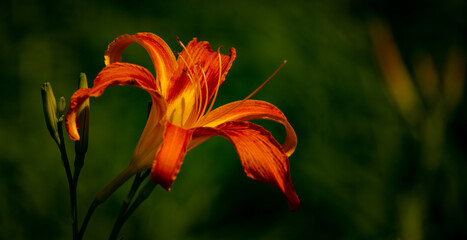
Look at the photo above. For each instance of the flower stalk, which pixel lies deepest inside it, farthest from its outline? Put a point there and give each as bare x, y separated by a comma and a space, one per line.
54, 116
55, 126
126, 210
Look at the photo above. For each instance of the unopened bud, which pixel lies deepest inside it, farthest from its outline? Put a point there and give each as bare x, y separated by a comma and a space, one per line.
83, 81
49, 105
61, 106
81, 146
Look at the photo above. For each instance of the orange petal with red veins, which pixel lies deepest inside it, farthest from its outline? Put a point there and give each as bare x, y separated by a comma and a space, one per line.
150, 140
160, 53
112, 75
251, 110
170, 156
197, 55
262, 157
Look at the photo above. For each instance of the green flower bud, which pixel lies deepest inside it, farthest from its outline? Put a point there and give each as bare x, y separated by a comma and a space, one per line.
81, 146
49, 105
61, 106
83, 81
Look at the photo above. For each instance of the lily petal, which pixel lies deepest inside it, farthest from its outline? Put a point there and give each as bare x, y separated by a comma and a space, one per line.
160, 53
170, 156
262, 157
150, 141
112, 75
251, 110
198, 62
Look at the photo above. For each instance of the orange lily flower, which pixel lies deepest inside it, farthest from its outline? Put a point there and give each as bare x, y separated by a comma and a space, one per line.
181, 116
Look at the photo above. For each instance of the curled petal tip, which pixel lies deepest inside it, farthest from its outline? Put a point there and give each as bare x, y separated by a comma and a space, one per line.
167, 185
294, 202
71, 126
294, 206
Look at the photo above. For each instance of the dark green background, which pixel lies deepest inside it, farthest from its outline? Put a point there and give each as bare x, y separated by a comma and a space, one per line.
358, 169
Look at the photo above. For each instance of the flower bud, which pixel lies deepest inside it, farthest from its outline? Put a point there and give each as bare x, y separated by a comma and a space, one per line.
81, 146
49, 105
61, 106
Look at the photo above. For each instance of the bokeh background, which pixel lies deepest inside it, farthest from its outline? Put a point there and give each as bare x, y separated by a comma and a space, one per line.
374, 90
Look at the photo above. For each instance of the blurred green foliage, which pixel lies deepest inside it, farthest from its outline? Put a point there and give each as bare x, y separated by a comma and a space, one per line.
359, 168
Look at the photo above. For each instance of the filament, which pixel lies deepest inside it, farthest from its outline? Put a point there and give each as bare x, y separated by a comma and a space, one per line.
251, 94
206, 98
218, 82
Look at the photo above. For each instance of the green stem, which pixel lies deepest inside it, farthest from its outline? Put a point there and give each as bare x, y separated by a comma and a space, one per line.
143, 195
71, 187
91, 209
64, 155
134, 187
127, 173
79, 159
103, 195
124, 213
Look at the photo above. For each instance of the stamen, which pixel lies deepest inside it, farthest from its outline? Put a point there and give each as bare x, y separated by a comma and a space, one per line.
218, 82
189, 66
251, 94
206, 97
189, 69
193, 81
184, 48
197, 94
265, 82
